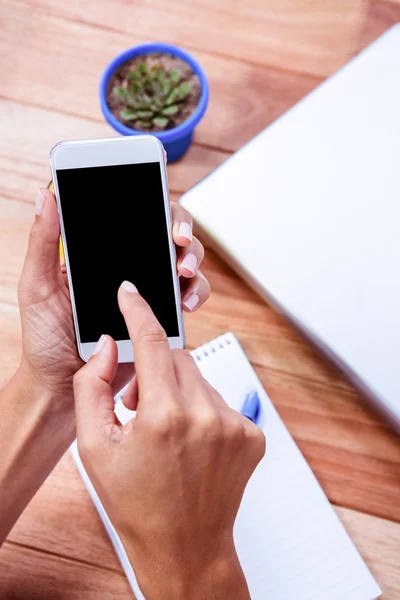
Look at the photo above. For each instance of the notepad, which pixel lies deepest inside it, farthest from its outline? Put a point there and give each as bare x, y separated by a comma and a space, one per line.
308, 213
290, 542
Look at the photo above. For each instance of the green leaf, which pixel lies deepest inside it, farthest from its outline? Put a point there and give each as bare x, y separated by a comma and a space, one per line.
135, 87
146, 99
145, 124
156, 88
165, 86
121, 92
159, 72
172, 97
161, 75
133, 101
145, 114
175, 76
170, 110
160, 121
142, 68
184, 89
128, 114
133, 75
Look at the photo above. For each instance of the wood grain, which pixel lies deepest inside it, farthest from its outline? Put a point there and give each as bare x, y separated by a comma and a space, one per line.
234, 115
379, 543
27, 574
381, 15
82, 537
313, 36
261, 57
26, 165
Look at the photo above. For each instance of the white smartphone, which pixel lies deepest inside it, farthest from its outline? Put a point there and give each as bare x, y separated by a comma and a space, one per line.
115, 217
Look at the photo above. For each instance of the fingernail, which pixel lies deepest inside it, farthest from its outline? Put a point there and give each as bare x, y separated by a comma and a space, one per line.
185, 231
129, 287
99, 344
39, 203
191, 301
189, 263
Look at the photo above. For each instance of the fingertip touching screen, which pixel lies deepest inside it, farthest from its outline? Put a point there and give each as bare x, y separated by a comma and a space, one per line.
116, 229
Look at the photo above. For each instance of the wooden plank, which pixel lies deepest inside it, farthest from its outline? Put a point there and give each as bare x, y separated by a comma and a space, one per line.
312, 36
380, 16
26, 574
26, 165
234, 115
244, 98
15, 222
61, 520
379, 542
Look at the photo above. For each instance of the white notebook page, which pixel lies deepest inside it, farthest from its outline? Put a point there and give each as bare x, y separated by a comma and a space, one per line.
290, 542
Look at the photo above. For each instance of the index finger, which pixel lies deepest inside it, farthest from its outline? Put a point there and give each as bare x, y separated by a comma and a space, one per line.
153, 359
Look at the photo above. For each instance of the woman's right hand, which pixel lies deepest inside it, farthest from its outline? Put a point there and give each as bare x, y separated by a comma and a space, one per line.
172, 479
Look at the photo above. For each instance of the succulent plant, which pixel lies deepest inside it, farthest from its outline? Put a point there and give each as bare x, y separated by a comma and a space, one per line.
152, 95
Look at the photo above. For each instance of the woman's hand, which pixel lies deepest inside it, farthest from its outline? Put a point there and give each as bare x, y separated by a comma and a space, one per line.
37, 408
172, 479
49, 353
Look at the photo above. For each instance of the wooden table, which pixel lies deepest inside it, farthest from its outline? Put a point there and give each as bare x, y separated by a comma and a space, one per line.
261, 57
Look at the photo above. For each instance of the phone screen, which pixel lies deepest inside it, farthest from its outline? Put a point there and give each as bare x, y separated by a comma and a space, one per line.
116, 230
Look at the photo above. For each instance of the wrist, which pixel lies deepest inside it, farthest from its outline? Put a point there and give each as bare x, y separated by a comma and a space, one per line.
52, 402
36, 429
169, 578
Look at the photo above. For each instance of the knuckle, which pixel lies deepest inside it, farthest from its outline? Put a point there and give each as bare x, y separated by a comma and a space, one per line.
185, 215
182, 356
209, 425
261, 443
234, 430
152, 333
204, 283
199, 249
257, 441
181, 214
171, 422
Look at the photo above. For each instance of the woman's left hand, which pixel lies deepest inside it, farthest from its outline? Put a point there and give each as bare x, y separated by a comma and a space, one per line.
49, 354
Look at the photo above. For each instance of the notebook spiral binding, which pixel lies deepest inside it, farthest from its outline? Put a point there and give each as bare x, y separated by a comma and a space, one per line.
213, 347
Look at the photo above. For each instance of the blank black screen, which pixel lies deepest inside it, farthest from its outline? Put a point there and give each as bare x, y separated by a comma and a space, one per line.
116, 230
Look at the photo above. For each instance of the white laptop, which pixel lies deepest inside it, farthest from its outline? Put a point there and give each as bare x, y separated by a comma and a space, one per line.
309, 213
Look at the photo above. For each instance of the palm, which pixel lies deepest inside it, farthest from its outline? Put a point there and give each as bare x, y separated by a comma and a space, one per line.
49, 338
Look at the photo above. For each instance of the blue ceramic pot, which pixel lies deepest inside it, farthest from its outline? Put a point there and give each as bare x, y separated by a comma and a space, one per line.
177, 140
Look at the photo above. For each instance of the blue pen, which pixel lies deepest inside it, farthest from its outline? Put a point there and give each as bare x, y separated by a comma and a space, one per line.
252, 407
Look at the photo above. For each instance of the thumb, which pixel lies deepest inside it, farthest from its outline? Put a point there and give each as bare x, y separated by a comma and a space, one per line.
94, 398
43, 258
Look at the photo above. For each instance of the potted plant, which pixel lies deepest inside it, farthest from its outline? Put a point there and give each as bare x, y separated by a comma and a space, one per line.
158, 89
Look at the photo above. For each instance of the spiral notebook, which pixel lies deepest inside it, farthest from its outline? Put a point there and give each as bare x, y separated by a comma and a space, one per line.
290, 541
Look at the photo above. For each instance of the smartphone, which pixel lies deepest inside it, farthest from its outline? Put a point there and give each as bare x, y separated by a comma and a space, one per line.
115, 217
